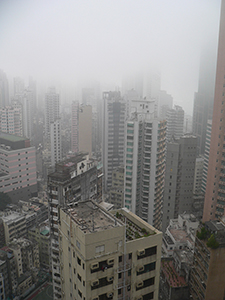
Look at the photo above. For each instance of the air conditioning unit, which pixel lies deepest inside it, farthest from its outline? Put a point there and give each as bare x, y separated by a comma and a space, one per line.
141, 252
110, 295
139, 284
62, 279
110, 278
139, 298
94, 266
140, 268
95, 298
61, 265
95, 282
110, 261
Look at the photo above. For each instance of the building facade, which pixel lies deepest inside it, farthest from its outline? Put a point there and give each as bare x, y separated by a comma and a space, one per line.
107, 255
214, 205
179, 178
145, 146
18, 167
73, 180
175, 122
114, 112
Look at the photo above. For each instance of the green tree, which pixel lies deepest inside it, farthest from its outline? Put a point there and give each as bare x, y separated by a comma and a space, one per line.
4, 200
212, 242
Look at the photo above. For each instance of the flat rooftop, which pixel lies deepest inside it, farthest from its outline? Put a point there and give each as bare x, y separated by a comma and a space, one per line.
91, 218
12, 137
171, 274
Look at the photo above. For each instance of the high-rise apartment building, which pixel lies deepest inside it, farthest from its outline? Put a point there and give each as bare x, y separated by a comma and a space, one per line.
85, 128
4, 89
56, 144
179, 178
199, 165
27, 100
51, 109
74, 127
206, 155
145, 148
114, 112
214, 205
73, 180
18, 167
11, 120
18, 86
175, 122
203, 99
116, 193
107, 255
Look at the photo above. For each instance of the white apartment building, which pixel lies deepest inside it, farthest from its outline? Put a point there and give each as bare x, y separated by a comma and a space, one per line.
56, 144
17, 167
145, 146
107, 255
11, 120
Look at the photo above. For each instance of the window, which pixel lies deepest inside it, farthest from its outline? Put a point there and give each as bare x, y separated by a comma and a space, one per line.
78, 261
100, 249
120, 258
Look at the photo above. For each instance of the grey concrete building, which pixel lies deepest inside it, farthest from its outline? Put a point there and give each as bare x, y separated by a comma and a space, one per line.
114, 113
73, 180
179, 178
175, 122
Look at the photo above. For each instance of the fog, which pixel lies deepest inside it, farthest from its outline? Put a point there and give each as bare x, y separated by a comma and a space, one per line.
103, 40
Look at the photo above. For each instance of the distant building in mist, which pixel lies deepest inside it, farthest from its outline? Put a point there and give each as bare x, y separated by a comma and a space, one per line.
175, 122
4, 90
114, 113
85, 128
51, 109
203, 99
11, 120
27, 100
165, 103
74, 126
56, 144
18, 86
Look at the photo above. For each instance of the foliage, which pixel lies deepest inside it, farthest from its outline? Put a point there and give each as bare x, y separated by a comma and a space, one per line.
203, 234
4, 200
212, 242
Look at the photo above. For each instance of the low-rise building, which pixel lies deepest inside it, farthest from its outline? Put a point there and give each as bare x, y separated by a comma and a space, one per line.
180, 234
41, 234
14, 225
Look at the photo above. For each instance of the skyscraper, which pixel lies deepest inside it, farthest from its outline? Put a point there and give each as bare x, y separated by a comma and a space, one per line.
4, 89
145, 148
214, 205
179, 178
56, 145
113, 134
85, 129
74, 127
11, 120
203, 99
73, 180
175, 122
51, 109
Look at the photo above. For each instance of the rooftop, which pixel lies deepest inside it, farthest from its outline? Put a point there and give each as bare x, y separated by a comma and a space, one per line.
90, 217
12, 137
171, 274
180, 235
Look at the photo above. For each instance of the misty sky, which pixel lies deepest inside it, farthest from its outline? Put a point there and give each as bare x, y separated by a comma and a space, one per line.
101, 39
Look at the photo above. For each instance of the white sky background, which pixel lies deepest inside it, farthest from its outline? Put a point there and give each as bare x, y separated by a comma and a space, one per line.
102, 39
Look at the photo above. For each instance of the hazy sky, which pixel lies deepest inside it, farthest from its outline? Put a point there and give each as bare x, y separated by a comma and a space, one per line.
102, 39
